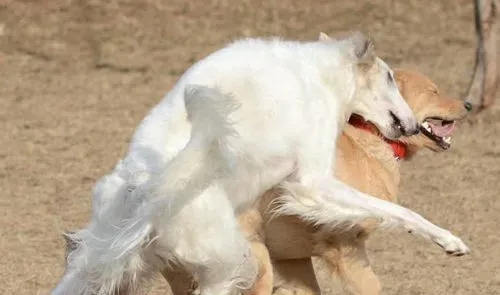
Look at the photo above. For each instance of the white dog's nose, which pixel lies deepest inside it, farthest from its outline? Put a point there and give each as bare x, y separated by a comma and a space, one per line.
415, 129
407, 126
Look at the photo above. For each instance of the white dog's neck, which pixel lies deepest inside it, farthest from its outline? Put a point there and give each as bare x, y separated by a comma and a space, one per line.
328, 61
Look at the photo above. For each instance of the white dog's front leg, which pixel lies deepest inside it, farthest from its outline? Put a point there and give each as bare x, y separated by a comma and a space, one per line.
322, 199
339, 193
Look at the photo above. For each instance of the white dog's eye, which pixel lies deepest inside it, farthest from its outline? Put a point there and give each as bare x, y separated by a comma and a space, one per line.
389, 77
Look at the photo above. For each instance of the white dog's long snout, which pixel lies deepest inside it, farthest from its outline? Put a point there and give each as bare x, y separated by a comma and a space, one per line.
389, 111
403, 117
402, 121
406, 125
395, 123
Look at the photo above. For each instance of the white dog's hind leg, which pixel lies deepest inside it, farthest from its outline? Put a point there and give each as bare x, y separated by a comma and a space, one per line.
336, 203
192, 211
205, 238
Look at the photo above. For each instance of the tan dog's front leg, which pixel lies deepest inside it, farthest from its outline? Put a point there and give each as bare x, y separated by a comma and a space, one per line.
348, 259
295, 276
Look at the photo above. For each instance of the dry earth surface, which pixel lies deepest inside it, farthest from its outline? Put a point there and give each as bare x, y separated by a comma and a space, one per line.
76, 77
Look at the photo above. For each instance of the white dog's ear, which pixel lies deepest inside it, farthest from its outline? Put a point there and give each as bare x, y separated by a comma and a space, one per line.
324, 37
362, 48
71, 245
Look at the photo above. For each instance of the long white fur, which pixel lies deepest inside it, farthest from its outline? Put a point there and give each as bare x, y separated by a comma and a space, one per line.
237, 123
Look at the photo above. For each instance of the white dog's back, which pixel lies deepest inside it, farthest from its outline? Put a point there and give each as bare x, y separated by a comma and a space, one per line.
166, 129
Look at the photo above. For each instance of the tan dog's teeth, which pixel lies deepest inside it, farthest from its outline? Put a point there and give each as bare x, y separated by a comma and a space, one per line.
426, 126
447, 139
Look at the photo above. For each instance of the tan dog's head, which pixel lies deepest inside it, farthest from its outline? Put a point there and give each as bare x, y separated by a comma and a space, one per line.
436, 112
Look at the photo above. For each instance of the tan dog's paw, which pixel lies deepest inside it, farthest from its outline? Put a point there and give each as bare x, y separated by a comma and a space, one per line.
295, 291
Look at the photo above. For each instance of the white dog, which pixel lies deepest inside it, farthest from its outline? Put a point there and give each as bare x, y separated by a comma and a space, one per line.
251, 116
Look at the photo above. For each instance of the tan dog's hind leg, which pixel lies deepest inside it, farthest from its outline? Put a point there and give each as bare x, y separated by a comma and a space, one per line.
264, 283
348, 259
251, 224
296, 276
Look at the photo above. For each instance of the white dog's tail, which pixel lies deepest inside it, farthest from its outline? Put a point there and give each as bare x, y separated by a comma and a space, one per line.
199, 163
110, 251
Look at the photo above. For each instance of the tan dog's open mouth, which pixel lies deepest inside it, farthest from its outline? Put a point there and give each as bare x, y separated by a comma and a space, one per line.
439, 130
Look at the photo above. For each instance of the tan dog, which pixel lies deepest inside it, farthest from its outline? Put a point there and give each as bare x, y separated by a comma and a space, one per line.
369, 163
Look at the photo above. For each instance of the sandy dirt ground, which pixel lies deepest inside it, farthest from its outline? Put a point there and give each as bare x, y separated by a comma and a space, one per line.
76, 77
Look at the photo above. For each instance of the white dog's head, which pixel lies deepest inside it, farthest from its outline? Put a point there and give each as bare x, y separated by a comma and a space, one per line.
377, 98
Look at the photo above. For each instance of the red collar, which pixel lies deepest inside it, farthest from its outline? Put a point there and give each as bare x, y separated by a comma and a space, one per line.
398, 147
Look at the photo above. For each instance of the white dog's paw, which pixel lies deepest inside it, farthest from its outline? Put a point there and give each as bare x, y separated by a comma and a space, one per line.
451, 244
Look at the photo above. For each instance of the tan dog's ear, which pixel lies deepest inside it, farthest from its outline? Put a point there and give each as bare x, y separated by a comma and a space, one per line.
400, 80
324, 37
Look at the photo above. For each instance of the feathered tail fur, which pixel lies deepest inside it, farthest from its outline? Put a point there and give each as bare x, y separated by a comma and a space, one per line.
112, 250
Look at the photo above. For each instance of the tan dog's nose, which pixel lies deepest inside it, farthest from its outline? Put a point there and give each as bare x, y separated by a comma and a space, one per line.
468, 106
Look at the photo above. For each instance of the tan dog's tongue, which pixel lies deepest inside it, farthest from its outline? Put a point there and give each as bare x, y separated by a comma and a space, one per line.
442, 130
